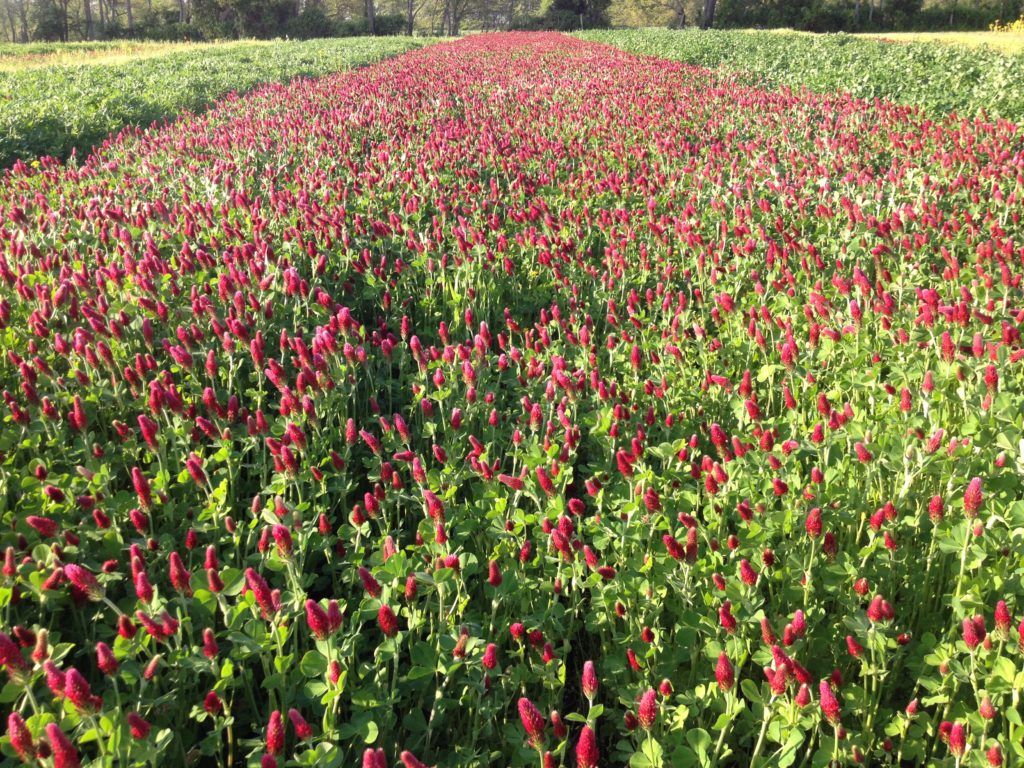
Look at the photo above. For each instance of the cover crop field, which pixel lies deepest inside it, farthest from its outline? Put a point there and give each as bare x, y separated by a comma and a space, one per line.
517, 401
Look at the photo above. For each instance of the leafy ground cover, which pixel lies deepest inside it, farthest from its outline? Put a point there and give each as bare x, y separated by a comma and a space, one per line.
54, 110
517, 401
1011, 42
19, 56
937, 77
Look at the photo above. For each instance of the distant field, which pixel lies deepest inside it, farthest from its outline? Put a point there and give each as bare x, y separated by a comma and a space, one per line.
54, 108
938, 77
1007, 42
14, 56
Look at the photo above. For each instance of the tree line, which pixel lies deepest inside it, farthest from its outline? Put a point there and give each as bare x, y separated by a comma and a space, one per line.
72, 20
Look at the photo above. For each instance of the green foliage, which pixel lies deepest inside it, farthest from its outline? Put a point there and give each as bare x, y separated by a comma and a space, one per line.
939, 78
824, 15
591, 13
310, 24
567, 16
54, 110
389, 24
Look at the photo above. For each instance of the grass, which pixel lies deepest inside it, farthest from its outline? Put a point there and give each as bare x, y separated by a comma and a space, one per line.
16, 57
1006, 42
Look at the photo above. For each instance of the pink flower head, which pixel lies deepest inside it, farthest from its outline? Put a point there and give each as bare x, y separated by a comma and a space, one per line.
283, 540
994, 755
829, 703
181, 579
138, 726
957, 740
105, 659
1003, 620
590, 682
587, 753
387, 621
11, 658
724, 674
490, 659
973, 635
973, 498
21, 737
212, 703
647, 711
813, 524
533, 722
275, 733
303, 731
261, 591
370, 584
142, 489
317, 619
79, 693
409, 760
64, 753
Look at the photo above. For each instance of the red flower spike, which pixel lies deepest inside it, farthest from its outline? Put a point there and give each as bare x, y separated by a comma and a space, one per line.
724, 674
957, 740
409, 760
212, 704
994, 756
588, 754
105, 659
303, 731
589, 680
21, 737
533, 722
274, 736
647, 711
558, 727
64, 753
973, 498
829, 703
387, 621
138, 726
316, 618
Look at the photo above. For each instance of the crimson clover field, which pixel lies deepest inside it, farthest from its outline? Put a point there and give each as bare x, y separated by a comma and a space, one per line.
517, 401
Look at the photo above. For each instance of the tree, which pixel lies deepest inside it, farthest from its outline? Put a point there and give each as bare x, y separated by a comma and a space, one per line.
707, 19
576, 14
651, 13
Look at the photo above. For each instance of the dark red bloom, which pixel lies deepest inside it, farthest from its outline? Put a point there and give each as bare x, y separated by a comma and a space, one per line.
724, 673
957, 740
973, 498
588, 755
303, 731
409, 760
589, 683
275, 733
21, 737
387, 621
64, 753
829, 703
647, 711
316, 617
533, 722
138, 726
